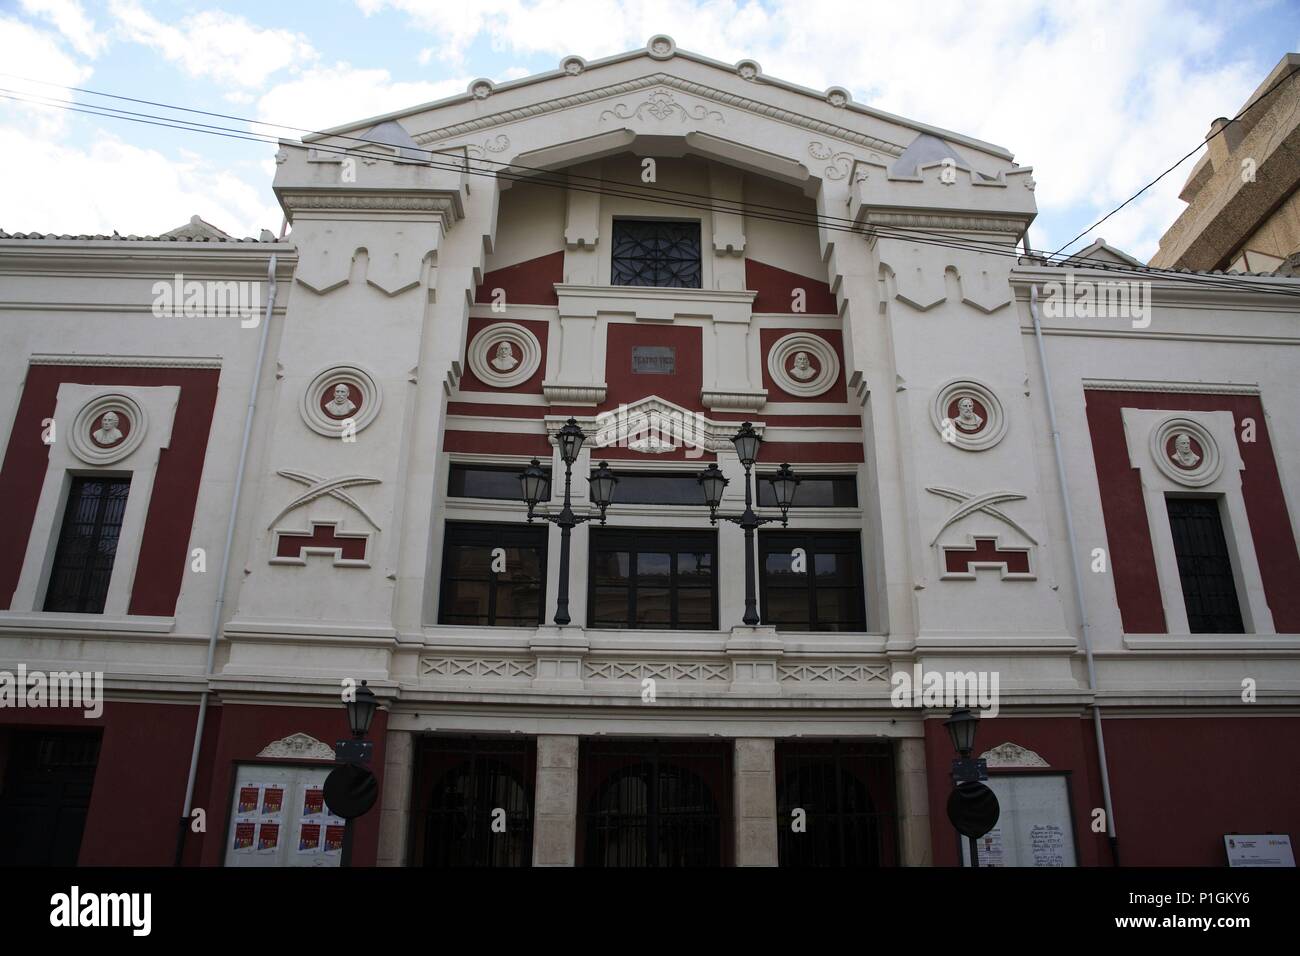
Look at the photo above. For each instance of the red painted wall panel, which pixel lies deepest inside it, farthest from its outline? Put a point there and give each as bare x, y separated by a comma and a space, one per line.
165, 545
531, 282
1137, 587
775, 288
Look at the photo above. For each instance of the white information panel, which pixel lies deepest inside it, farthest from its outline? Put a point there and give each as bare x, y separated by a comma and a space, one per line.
1256, 849
279, 818
1034, 827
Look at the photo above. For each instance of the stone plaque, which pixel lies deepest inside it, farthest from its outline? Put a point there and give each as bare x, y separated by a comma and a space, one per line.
654, 360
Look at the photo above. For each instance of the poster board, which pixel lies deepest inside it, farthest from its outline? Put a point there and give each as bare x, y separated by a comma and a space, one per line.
1034, 828
278, 817
1258, 849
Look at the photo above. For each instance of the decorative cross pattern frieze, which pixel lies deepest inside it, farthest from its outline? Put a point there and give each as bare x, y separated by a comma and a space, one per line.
501, 668
659, 670
832, 673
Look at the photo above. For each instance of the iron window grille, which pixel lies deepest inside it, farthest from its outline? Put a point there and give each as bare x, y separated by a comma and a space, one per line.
652, 579
460, 784
654, 803
482, 585
83, 559
826, 594
656, 252
844, 790
1204, 566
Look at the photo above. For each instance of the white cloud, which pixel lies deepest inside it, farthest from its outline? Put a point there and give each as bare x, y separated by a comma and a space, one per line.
218, 45
70, 19
332, 96
34, 53
1098, 97
112, 185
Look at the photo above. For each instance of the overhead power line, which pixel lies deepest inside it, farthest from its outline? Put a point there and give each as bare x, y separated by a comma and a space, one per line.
570, 181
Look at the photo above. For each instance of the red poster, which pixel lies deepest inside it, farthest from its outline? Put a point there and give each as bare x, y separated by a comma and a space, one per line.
333, 839
309, 838
313, 802
268, 836
273, 800
244, 836
247, 800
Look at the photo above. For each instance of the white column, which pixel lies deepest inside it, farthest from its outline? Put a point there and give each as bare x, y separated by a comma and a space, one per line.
555, 800
754, 783
395, 807
913, 803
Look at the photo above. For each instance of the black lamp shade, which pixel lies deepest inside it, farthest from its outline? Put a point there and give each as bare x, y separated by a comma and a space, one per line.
602, 482
747, 444
361, 711
962, 725
570, 439
784, 484
533, 482
714, 482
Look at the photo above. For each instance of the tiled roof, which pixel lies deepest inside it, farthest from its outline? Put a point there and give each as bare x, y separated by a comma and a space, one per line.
120, 238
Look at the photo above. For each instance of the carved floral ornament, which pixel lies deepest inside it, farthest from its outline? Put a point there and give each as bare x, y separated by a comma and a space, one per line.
803, 364
660, 105
107, 429
1186, 452
298, 747
504, 354
968, 415
339, 399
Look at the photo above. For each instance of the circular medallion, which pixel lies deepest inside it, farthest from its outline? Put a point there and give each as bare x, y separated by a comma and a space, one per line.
504, 354
803, 364
1186, 452
107, 429
339, 396
967, 414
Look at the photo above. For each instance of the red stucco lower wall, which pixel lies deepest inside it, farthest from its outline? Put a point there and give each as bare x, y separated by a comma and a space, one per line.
1178, 783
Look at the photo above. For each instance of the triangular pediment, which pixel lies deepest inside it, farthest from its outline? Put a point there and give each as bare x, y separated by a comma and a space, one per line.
654, 425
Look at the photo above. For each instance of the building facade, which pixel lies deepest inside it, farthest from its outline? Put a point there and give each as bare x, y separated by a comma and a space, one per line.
241, 477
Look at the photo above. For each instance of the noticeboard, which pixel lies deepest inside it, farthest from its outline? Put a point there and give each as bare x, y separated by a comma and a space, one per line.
1259, 849
278, 817
1034, 827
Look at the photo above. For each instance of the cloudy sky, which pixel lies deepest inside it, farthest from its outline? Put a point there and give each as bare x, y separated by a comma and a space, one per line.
1099, 97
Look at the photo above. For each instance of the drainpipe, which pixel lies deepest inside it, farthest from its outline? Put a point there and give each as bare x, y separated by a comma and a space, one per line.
219, 605
1078, 576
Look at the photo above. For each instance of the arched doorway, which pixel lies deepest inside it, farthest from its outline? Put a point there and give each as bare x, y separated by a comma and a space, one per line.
473, 802
655, 803
843, 791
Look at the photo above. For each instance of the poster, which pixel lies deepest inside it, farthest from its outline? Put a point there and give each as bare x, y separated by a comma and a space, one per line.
1034, 826
272, 800
1259, 849
334, 838
313, 801
309, 838
249, 795
244, 837
268, 837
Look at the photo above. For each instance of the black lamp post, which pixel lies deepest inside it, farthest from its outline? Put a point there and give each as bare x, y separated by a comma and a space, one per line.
713, 483
361, 710
601, 483
351, 788
961, 726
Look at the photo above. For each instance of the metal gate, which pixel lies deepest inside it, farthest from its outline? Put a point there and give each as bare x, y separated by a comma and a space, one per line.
45, 797
655, 803
473, 802
845, 790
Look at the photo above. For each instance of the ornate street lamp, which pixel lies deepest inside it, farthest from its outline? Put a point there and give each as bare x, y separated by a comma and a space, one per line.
962, 725
533, 482
361, 710
713, 483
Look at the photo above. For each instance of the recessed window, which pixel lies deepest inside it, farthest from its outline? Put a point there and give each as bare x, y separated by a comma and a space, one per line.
658, 489
812, 581
1204, 566
656, 252
653, 579
83, 561
817, 491
493, 575
489, 481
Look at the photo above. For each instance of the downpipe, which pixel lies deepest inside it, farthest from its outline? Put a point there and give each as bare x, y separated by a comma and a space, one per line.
219, 604
1078, 576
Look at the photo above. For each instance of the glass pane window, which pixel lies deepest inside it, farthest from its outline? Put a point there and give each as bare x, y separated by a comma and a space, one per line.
812, 581
83, 560
652, 579
493, 575
656, 252
490, 481
816, 491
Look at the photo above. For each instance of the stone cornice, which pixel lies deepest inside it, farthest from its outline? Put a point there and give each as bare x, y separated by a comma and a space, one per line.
1197, 388
908, 220
134, 361
447, 207
672, 82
